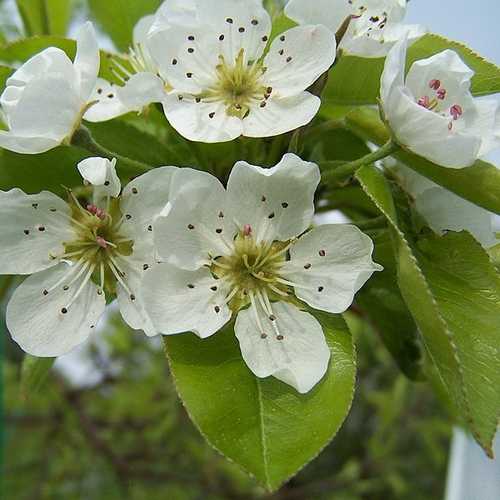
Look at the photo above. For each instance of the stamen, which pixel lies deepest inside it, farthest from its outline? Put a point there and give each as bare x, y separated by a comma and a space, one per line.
456, 111
434, 84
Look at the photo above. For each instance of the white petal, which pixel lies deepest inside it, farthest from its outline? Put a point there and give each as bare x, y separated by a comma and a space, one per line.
329, 265
186, 56
330, 14
32, 230
130, 301
175, 12
36, 322
249, 28
26, 145
196, 225
203, 122
87, 59
141, 30
281, 115
180, 301
300, 359
298, 58
445, 211
48, 107
394, 72
141, 90
101, 173
107, 104
49, 60
277, 202
487, 125
144, 198
379, 46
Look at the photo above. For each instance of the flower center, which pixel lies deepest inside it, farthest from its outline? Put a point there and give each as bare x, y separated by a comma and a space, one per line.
253, 270
97, 251
434, 101
238, 85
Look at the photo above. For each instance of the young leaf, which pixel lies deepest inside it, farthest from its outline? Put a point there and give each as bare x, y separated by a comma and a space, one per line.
453, 292
118, 17
480, 183
45, 17
34, 373
343, 89
263, 425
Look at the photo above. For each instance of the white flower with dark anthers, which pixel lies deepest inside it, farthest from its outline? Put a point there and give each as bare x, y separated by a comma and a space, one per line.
76, 253
445, 211
247, 251
432, 112
376, 25
46, 97
140, 84
223, 85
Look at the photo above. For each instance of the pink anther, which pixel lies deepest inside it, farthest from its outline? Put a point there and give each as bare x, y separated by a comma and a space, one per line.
247, 230
425, 102
456, 111
101, 242
441, 94
434, 84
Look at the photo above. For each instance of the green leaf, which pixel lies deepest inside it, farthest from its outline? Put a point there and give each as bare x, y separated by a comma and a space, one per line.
364, 88
479, 183
45, 17
263, 425
118, 17
453, 292
382, 301
34, 373
34, 173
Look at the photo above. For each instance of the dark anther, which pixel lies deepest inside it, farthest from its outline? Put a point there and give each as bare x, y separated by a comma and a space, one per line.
180, 97
281, 52
211, 115
272, 317
132, 297
191, 38
65, 288
218, 230
106, 183
229, 20
307, 266
282, 38
150, 228
213, 288
26, 232
255, 22
322, 253
221, 215
265, 38
145, 267
198, 99
53, 209
41, 229
190, 286
128, 216
174, 61
45, 292
269, 90
190, 226
263, 336
190, 50
99, 91
263, 104
288, 59
271, 216
320, 288
284, 204
241, 29
280, 337
35, 205
110, 96
263, 199
134, 191
217, 309
64, 310
221, 38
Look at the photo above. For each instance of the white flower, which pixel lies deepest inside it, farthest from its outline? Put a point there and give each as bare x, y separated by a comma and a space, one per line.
45, 98
76, 253
247, 251
432, 112
445, 211
223, 85
376, 25
141, 84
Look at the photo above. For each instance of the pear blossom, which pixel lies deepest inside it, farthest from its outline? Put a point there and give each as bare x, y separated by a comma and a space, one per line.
45, 98
432, 112
77, 252
248, 251
375, 26
445, 211
223, 84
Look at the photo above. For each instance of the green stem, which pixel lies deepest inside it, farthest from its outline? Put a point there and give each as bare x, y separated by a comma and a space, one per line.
344, 171
82, 138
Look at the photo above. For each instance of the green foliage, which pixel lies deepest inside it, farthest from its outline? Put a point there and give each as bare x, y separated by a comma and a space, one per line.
45, 17
365, 87
34, 373
127, 435
271, 431
453, 291
118, 17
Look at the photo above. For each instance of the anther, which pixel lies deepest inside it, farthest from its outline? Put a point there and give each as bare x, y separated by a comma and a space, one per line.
145, 267
217, 309
272, 317
229, 20
110, 96
26, 232
211, 115
263, 336
269, 90
191, 38
221, 215
132, 297
213, 288
255, 22
320, 289
190, 226
134, 191
64, 310
150, 228
288, 59
284, 204
65, 288
101, 242
307, 266
280, 337
247, 230
434, 84
41, 229
106, 183
322, 253
263, 104
190, 50
456, 111
282, 38
128, 216
281, 52
263, 199
189, 75
218, 230
441, 94
34, 205
271, 216
265, 38
190, 285
174, 61
221, 38
45, 292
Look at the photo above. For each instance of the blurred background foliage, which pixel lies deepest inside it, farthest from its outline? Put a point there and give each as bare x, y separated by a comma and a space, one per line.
123, 434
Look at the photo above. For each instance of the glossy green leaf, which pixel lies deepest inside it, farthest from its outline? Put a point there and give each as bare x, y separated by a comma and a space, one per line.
263, 425
356, 80
479, 183
45, 17
453, 292
118, 17
381, 299
34, 373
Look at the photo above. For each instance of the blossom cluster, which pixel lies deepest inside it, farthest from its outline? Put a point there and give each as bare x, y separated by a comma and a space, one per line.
180, 251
